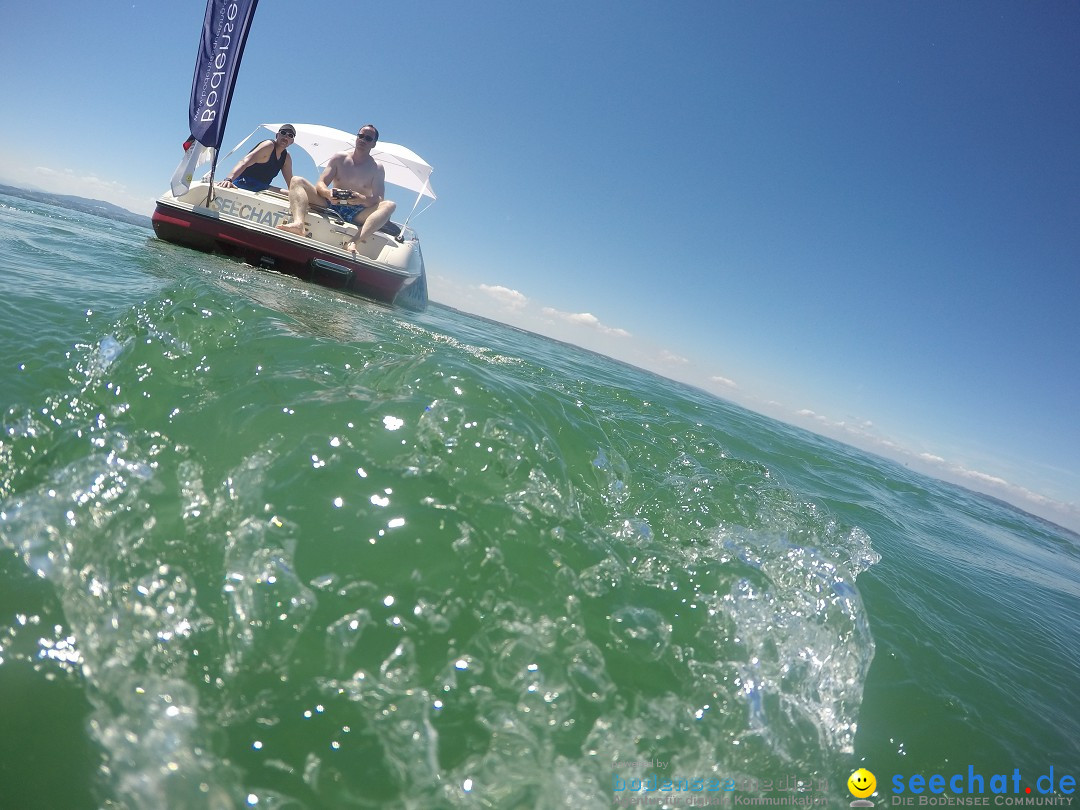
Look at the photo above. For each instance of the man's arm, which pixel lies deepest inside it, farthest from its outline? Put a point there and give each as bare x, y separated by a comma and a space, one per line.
286, 170
322, 188
378, 185
260, 154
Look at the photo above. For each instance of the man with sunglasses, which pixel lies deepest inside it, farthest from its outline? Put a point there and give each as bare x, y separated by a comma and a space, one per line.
257, 171
352, 184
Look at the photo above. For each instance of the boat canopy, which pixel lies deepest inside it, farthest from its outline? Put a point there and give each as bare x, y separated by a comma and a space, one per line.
403, 166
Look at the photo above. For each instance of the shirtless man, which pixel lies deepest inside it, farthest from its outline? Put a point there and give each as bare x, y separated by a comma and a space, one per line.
357, 194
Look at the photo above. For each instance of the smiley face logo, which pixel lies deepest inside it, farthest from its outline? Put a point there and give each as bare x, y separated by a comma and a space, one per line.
861, 783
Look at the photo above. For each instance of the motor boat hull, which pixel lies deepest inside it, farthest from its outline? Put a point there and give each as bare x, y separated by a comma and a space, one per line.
388, 267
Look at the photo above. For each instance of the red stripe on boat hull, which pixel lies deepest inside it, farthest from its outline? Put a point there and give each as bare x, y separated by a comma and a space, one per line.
214, 235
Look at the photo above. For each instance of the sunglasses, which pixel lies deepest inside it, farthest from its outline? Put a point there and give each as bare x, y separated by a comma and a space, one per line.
286, 133
367, 138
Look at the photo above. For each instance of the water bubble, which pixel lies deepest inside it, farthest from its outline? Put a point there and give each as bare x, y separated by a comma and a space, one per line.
108, 350
587, 672
641, 631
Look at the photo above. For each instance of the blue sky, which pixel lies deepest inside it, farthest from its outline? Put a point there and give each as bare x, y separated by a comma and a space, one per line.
861, 217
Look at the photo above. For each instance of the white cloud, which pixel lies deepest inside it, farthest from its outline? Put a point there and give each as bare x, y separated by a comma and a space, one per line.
71, 174
586, 319
81, 185
1064, 513
860, 433
511, 299
68, 181
724, 381
672, 359
983, 478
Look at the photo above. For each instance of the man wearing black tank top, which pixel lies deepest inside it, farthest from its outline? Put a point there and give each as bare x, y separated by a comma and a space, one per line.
257, 171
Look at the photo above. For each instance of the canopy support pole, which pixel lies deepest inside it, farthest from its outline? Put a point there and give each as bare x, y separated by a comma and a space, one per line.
413, 213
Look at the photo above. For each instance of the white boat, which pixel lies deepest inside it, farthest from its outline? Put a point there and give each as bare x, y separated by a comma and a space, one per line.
387, 267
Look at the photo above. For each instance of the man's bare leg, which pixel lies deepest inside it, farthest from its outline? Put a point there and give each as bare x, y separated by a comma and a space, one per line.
370, 220
301, 195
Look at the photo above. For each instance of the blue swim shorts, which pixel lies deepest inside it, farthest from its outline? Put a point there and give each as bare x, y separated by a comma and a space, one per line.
346, 212
250, 184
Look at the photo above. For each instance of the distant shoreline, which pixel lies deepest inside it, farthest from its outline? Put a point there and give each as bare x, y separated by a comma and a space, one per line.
97, 207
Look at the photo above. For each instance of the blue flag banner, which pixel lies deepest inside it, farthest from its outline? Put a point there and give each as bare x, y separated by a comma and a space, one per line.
221, 47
